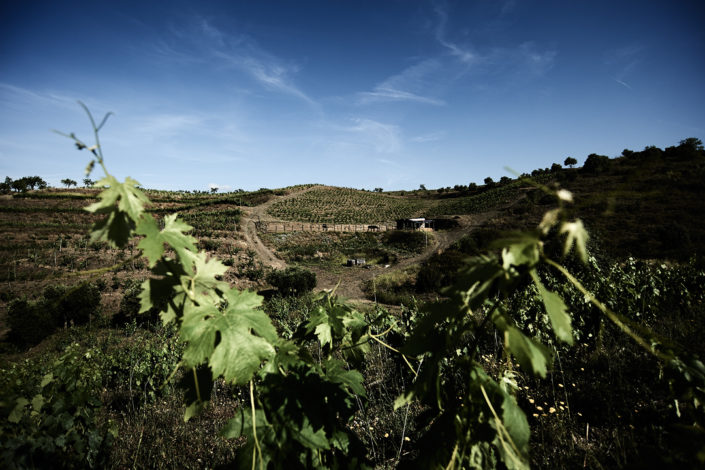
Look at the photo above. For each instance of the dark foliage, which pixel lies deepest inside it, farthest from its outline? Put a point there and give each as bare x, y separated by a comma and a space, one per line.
292, 281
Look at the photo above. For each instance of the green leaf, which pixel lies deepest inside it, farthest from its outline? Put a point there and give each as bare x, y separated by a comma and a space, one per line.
323, 332
123, 205
46, 380
522, 251
173, 234
37, 402
246, 336
18, 411
575, 235
201, 283
404, 399
241, 424
515, 422
532, 356
198, 384
557, 311
312, 439
336, 373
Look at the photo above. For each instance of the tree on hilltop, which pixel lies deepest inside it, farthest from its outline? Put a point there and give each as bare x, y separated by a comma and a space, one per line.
68, 182
570, 161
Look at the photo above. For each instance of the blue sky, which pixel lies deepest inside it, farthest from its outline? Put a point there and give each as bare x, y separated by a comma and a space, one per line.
389, 94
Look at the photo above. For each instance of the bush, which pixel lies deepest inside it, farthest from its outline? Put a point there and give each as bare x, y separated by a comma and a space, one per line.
292, 281
596, 164
32, 321
29, 322
394, 288
73, 305
130, 306
55, 423
404, 240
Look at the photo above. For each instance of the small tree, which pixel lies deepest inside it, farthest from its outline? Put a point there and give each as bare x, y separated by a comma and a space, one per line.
692, 143
68, 182
87, 182
378, 190
20, 185
556, 167
214, 189
596, 163
422, 187
489, 181
6, 186
570, 161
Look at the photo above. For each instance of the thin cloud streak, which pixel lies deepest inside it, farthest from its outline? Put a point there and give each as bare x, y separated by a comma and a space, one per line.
390, 94
431, 137
385, 138
465, 56
240, 52
411, 84
517, 60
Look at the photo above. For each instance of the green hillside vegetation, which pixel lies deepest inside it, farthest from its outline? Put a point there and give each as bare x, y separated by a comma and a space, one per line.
346, 206
485, 351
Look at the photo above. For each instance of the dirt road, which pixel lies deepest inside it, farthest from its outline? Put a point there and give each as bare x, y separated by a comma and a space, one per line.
349, 281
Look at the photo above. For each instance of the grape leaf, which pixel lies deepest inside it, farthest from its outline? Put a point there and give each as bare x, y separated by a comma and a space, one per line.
123, 205
575, 235
532, 356
200, 281
173, 234
336, 373
522, 251
238, 352
557, 311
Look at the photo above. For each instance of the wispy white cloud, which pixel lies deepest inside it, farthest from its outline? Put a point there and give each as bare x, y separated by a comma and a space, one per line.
517, 60
384, 138
390, 94
624, 60
624, 84
409, 85
360, 136
207, 43
463, 53
537, 61
430, 137
164, 125
23, 96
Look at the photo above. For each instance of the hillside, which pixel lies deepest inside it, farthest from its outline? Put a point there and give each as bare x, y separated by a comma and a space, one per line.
76, 301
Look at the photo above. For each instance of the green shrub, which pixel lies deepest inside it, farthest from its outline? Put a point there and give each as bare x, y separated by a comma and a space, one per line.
29, 322
53, 424
292, 281
405, 240
394, 288
209, 244
73, 305
32, 321
130, 306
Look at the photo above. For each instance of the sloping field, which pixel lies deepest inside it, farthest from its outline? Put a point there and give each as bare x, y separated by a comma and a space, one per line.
351, 206
346, 206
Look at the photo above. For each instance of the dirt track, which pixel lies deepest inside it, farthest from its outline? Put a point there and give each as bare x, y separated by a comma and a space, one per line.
349, 281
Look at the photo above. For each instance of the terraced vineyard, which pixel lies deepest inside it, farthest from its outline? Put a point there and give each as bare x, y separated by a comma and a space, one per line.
346, 206
488, 200
351, 206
